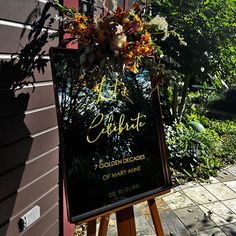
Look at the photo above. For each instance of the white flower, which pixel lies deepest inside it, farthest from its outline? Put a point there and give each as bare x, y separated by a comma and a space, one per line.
119, 29
160, 22
166, 35
59, 18
118, 40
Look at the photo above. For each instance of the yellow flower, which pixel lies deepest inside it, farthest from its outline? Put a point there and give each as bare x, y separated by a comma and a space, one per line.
73, 31
82, 27
137, 50
80, 19
140, 28
129, 57
133, 68
126, 23
146, 49
146, 37
137, 19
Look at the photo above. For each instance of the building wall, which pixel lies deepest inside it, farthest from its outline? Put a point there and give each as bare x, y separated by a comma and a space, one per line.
29, 155
29, 139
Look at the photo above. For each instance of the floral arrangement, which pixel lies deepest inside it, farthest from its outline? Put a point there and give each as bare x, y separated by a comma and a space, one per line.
120, 34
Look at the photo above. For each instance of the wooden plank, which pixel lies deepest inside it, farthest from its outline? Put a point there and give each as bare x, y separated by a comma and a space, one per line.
53, 231
91, 231
20, 126
45, 203
104, 225
44, 75
125, 206
155, 217
18, 153
22, 199
25, 99
125, 222
10, 71
30, 10
39, 96
41, 120
25, 174
11, 41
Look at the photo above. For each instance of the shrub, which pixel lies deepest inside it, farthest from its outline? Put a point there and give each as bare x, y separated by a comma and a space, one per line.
189, 160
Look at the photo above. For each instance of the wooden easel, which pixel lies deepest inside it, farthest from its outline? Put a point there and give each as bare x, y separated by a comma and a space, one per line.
125, 222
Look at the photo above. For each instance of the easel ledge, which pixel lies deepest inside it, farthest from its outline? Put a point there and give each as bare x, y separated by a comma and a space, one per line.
125, 219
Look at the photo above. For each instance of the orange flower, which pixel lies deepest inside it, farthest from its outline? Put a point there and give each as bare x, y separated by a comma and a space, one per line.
137, 48
137, 51
80, 19
149, 49
126, 23
146, 37
118, 12
133, 68
143, 50
129, 57
146, 49
136, 6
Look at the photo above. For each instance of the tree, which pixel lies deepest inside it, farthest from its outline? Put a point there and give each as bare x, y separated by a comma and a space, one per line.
209, 29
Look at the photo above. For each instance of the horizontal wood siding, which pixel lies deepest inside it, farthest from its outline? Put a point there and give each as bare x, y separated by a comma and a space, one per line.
54, 230
26, 196
13, 42
45, 202
44, 223
18, 153
25, 9
29, 138
40, 77
34, 168
33, 97
12, 129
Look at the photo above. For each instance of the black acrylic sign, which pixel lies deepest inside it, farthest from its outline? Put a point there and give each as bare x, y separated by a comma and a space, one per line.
112, 138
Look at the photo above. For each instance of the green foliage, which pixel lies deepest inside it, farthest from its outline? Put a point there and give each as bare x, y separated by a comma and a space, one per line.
217, 142
219, 126
188, 159
208, 60
209, 57
228, 153
210, 36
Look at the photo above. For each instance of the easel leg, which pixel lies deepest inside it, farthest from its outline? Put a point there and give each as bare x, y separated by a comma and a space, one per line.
125, 222
91, 231
103, 225
155, 217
